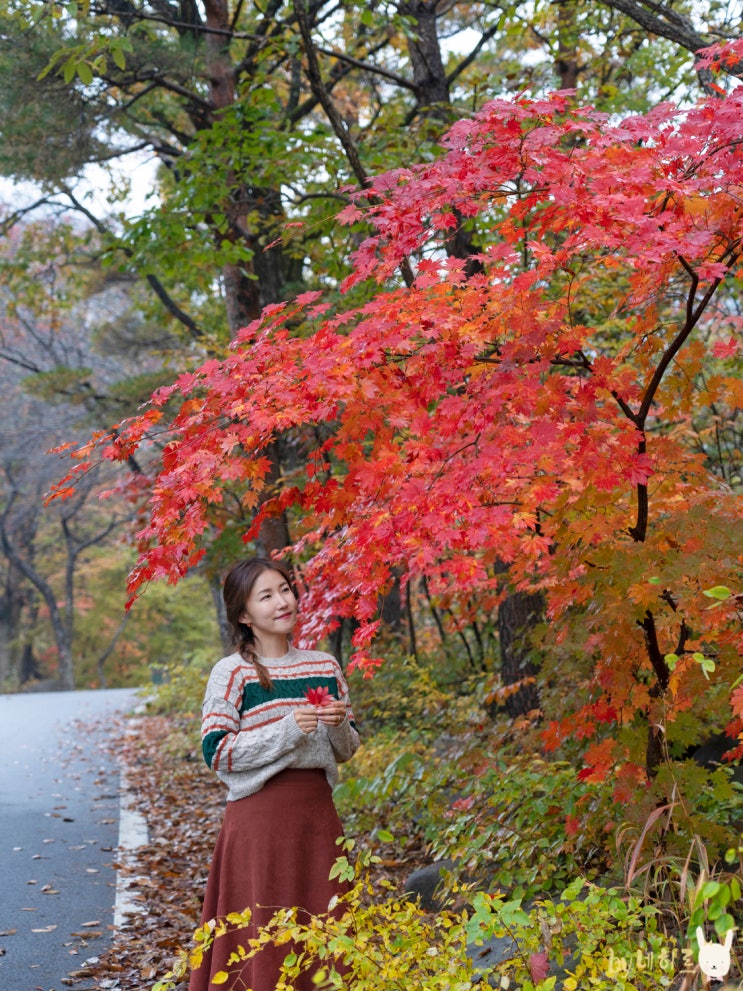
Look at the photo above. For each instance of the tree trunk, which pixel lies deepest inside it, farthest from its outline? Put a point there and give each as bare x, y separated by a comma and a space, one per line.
225, 634
567, 40
59, 627
432, 94
10, 612
517, 616
29, 666
245, 296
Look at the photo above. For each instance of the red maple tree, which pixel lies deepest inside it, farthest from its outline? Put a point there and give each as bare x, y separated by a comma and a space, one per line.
540, 413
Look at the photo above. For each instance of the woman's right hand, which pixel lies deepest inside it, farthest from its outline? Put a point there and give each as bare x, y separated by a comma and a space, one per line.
306, 719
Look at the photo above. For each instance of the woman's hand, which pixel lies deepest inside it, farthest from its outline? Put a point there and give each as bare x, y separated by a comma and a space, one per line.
332, 713
306, 718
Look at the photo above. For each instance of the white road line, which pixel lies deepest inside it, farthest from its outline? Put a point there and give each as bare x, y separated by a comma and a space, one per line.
133, 835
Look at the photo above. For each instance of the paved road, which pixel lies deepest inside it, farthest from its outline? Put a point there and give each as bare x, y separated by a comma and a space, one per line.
59, 808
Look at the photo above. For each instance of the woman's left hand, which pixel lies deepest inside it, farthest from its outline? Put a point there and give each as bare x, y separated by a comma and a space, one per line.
332, 713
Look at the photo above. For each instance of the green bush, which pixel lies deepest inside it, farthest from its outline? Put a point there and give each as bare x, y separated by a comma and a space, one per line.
588, 938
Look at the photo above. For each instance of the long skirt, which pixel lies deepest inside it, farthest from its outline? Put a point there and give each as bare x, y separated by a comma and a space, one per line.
275, 850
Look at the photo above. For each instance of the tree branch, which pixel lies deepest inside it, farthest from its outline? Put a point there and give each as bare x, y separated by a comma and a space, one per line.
165, 298
469, 59
369, 67
110, 648
692, 318
316, 85
647, 624
23, 566
656, 18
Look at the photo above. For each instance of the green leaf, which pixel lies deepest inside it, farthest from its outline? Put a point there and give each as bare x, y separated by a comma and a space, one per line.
717, 592
84, 72
724, 923
385, 836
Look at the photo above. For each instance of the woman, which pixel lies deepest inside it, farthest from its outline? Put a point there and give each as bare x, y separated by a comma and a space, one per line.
278, 756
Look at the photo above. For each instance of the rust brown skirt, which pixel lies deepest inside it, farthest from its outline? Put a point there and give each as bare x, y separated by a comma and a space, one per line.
274, 850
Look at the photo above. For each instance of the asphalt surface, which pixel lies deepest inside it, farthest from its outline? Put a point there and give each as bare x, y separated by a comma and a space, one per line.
59, 829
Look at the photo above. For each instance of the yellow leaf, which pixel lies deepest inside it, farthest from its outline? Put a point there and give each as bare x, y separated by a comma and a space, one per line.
220, 977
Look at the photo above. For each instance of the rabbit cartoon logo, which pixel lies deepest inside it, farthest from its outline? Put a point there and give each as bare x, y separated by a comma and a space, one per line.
714, 958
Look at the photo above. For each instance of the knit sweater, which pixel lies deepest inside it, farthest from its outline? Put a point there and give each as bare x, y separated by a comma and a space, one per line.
249, 734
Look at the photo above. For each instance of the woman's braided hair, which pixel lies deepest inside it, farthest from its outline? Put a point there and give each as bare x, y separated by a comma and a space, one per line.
237, 588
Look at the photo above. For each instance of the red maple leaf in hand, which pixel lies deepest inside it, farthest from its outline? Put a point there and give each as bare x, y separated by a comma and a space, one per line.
318, 696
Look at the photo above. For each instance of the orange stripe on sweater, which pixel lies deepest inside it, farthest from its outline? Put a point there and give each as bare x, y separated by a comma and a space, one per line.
248, 669
218, 725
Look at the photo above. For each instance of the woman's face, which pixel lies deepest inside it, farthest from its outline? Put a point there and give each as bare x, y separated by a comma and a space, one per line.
271, 608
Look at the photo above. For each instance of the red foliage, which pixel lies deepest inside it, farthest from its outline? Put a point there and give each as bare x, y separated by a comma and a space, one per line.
539, 966
535, 413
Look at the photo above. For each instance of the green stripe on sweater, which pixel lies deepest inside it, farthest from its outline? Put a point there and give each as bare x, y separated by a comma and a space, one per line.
210, 743
285, 688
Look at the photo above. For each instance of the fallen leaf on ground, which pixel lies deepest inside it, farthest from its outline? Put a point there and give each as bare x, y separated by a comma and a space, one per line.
539, 966
182, 802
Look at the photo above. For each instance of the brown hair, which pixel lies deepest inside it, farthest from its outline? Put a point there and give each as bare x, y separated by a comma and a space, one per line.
237, 588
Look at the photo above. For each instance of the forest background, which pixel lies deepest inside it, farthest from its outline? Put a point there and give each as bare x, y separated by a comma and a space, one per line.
245, 131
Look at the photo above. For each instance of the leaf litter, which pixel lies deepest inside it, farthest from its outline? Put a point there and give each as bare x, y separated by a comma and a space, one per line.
183, 803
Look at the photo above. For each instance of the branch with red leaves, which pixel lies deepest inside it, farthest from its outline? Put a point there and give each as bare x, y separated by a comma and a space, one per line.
517, 415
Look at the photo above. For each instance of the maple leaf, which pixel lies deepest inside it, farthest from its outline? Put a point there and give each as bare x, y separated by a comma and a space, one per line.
736, 701
572, 825
318, 696
726, 349
467, 423
539, 966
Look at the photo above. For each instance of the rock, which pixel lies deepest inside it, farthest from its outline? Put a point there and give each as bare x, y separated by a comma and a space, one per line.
710, 754
492, 952
424, 883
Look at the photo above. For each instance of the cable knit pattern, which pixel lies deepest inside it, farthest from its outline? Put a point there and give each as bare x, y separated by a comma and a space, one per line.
249, 734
